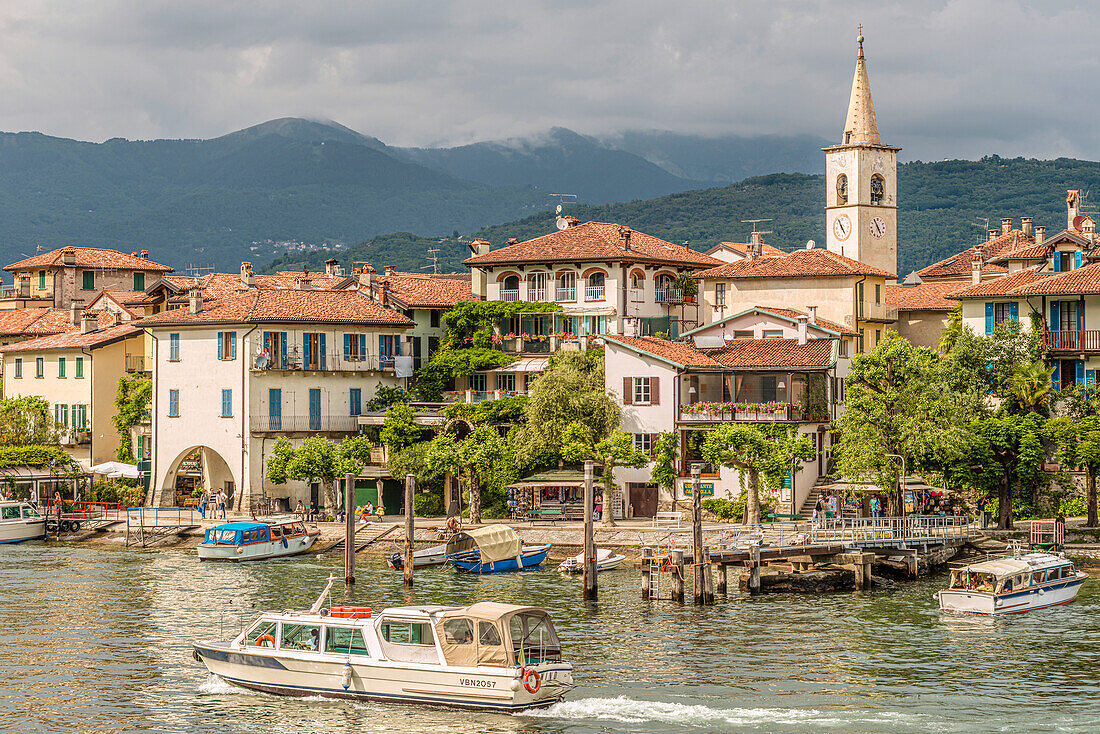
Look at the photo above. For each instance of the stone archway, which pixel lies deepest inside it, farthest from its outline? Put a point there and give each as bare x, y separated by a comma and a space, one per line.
197, 466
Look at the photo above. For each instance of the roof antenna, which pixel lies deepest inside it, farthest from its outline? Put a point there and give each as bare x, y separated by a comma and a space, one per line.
561, 222
433, 255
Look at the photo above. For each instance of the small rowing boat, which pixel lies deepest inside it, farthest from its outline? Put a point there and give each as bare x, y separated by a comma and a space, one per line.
493, 549
424, 558
605, 561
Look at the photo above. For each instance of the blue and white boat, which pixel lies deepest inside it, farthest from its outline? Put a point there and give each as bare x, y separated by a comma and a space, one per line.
252, 541
1012, 585
493, 549
20, 521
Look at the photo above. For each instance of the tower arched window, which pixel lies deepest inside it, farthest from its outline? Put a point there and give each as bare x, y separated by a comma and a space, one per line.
842, 189
878, 189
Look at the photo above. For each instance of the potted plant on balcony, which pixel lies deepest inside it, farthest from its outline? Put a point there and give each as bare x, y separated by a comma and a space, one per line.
687, 285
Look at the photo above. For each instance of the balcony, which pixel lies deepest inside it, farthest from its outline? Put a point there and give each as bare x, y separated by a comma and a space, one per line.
871, 311
69, 437
565, 294
1072, 340
669, 295
304, 423
593, 292
535, 295
259, 361
770, 412
509, 294
135, 363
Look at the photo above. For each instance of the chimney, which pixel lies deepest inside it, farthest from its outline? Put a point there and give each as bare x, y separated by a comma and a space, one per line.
478, 281
756, 245
625, 233
389, 270
1088, 226
573, 221
24, 286
331, 267
75, 307
813, 314
1006, 226
801, 329
976, 271
1025, 226
68, 257
303, 282
88, 322
512, 240
994, 234
144, 254
248, 277
366, 279
383, 293
1040, 235
195, 297
116, 318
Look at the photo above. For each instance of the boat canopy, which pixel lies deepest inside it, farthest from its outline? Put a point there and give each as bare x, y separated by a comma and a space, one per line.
1005, 567
236, 533
494, 542
481, 634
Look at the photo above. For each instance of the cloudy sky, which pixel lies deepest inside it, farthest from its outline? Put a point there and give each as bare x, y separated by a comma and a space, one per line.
950, 77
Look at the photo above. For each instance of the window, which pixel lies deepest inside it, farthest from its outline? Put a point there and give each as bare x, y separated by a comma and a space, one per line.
408, 633
315, 351
477, 382
227, 403
227, 345
300, 637
841, 189
173, 403
173, 347
506, 381
275, 409
344, 641
61, 414
644, 442
79, 417
862, 336
39, 366
641, 390
89, 280
878, 189
355, 400
595, 289
139, 281
842, 347
79, 366
315, 409
60, 366
719, 294
458, 632
536, 287
742, 334
636, 281
355, 347
1002, 312
18, 367
275, 343
389, 346
433, 345
1067, 315
510, 291
773, 334
878, 292
41, 280
434, 318
567, 286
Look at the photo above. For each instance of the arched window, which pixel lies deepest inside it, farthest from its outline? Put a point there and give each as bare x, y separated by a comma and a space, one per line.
594, 289
664, 281
510, 291
567, 286
878, 189
636, 281
842, 189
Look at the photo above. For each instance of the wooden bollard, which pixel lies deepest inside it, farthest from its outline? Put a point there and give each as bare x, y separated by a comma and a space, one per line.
410, 491
678, 575
708, 583
647, 569
722, 580
754, 571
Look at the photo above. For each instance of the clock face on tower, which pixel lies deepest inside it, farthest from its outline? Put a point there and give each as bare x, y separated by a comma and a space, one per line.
842, 227
878, 228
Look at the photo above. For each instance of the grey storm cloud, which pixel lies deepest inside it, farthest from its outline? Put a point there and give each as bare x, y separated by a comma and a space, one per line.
950, 77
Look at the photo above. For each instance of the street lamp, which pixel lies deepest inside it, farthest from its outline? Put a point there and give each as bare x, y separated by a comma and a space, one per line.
901, 485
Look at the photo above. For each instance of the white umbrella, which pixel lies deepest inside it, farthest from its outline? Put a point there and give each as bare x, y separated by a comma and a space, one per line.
116, 469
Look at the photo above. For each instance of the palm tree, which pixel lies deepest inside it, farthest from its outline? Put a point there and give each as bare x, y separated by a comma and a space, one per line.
951, 330
1029, 384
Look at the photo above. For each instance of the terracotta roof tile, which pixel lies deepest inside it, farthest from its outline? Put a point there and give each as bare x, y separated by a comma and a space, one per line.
792, 313
419, 290
1028, 252
286, 306
737, 354
1000, 286
922, 297
815, 263
960, 265
594, 241
35, 322
1082, 281
75, 340
91, 257
743, 248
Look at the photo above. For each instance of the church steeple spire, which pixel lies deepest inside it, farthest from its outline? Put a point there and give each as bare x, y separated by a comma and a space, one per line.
861, 126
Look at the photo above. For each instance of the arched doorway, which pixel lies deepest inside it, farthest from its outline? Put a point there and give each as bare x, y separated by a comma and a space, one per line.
197, 468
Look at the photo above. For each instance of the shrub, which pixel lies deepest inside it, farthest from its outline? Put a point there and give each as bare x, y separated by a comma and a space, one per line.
1073, 507
428, 505
735, 509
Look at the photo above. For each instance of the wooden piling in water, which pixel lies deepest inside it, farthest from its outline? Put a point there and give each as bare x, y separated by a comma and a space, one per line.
410, 490
677, 575
648, 569
708, 582
588, 585
349, 528
697, 593
722, 578
754, 570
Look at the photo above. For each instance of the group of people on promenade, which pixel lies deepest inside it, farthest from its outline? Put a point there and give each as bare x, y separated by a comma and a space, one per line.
218, 499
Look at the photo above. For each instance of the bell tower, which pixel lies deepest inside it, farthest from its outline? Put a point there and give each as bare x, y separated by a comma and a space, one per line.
861, 191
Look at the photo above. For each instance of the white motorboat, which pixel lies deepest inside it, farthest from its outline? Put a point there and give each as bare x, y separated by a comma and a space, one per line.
20, 521
423, 558
253, 541
484, 656
605, 561
1011, 585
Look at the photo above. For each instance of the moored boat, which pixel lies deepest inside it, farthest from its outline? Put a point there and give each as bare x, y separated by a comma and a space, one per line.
1012, 585
20, 521
484, 656
424, 558
254, 540
605, 561
493, 549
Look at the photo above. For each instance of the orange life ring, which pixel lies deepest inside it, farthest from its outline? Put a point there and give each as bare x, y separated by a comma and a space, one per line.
265, 638
528, 674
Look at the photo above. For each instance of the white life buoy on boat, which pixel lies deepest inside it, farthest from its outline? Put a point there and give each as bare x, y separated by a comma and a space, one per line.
240, 549
346, 678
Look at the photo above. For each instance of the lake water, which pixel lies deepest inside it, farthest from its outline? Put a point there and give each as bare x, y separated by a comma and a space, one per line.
99, 640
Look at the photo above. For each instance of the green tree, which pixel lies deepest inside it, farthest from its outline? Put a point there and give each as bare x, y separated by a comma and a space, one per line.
767, 450
618, 449
399, 428
26, 421
486, 462
1029, 386
282, 451
952, 329
1078, 444
317, 459
132, 400
666, 452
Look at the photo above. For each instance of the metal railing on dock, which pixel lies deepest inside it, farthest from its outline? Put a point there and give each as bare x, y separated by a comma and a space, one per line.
889, 531
153, 524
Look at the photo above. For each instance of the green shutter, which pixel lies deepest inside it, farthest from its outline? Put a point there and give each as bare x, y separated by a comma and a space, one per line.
60, 366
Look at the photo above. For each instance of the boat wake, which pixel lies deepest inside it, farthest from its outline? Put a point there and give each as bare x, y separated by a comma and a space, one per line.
630, 711
217, 686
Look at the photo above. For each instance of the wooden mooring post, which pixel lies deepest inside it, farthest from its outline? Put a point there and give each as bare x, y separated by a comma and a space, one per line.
410, 490
697, 559
588, 584
648, 569
677, 575
754, 570
722, 578
349, 528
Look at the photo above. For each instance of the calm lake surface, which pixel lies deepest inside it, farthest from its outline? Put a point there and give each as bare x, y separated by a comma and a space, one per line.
100, 640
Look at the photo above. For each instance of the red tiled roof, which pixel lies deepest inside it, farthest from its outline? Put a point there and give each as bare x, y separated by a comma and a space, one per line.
594, 241
1029, 252
743, 248
737, 354
815, 263
285, 306
792, 313
420, 290
37, 322
1000, 286
1083, 280
922, 297
129, 298
960, 265
75, 340
91, 257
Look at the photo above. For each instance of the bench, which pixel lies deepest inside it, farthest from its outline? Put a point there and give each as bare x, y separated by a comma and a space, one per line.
667, 518
551, 515
776, 516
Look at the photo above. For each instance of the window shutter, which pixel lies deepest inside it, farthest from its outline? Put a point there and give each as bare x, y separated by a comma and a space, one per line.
1076, 259
324, 351
362, 346
628, 390
267, 343
1053, 326
232, 345
274, 401
397, 345
1080, 372
654, 391
1057, 262
347, 347
381, 345
305, 350
221, 345
1014, 311
988, 319
1055, 377
282, 346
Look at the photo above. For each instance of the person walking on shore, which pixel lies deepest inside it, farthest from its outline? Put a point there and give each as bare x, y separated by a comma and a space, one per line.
819, 511
204, 500
221, 502
34, 497
982, 515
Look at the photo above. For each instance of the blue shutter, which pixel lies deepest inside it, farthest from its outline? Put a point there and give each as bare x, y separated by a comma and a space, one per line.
1076, 259
1053, 326
232, 345
347, 347
355, 400
397, 345
1056, 376
1057, 263
381, 346
267, 343
362, 346
1090, 378
1080, 372
305, 351
1014, 311
227, 403
314, 409
323, 350
221, 355
275, 409
282, 355
173, 403
988, 318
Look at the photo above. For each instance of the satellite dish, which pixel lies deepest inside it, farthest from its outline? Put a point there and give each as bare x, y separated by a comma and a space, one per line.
810, 244
562, 222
